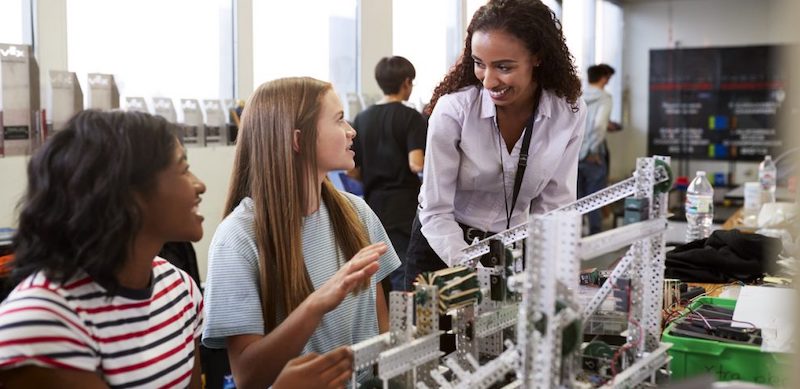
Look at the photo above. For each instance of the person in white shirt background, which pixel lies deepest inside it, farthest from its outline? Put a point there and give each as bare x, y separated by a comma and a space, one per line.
593, 165
515, 71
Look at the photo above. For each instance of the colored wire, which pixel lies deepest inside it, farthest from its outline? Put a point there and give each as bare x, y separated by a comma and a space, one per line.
702, 317
690, 317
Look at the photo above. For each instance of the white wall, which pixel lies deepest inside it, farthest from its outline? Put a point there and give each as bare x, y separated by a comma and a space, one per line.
13, 181
375, 39
213, 165
243, 49
685, 23
50, 39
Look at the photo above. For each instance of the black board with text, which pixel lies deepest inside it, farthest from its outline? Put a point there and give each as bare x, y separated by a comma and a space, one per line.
721, 103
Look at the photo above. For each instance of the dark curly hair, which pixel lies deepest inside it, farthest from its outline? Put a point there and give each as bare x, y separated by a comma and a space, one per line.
534, 24
79, 212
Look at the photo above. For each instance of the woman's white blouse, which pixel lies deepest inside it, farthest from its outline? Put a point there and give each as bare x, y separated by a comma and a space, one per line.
463, 181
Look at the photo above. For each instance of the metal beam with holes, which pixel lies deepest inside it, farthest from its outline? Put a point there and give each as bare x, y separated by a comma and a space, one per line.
601, 243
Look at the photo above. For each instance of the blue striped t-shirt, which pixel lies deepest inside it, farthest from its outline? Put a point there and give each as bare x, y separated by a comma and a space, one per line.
232, 301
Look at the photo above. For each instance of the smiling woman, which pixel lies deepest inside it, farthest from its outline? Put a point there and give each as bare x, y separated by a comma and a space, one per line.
103, 196
505, 68
504, 134
171, 209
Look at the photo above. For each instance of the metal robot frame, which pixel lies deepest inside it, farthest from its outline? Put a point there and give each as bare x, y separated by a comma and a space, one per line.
409, 355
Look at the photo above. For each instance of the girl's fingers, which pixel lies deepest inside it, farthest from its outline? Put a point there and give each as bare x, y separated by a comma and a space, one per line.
302, 359
379, 248
370, 251
330, 359
339, 381
371, 269
353, 279
361, 260
343, 364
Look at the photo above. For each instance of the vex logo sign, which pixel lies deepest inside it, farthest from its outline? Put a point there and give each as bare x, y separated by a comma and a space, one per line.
161, 103
12, 52
99, 80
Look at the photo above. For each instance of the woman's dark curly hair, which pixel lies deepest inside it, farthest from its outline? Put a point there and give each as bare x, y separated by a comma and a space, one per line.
79, 212
535, 25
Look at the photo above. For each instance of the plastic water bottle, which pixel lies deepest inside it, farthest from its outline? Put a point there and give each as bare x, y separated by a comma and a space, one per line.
699, 208
752, 203
767, 176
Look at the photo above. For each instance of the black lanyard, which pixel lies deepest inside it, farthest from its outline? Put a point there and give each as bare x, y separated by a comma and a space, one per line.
523, 160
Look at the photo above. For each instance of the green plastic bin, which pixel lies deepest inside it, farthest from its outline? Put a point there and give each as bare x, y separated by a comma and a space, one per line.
727, 361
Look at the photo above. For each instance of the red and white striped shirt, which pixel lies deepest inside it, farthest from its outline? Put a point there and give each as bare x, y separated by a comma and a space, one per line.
137, 338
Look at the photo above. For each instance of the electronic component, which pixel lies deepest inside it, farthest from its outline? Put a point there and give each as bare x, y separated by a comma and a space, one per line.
622, 292
457, 287
596, 356
692, 293
590, 277
496, 255
714, 323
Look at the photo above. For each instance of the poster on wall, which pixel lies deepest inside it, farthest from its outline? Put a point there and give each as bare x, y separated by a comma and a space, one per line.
719, 103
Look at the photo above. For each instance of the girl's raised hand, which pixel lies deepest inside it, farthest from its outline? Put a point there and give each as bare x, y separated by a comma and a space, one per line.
357, 270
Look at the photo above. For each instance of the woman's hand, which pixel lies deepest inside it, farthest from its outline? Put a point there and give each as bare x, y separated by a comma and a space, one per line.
329, 370
355, 271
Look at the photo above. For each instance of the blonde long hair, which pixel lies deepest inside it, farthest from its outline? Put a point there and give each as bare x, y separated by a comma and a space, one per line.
267, 169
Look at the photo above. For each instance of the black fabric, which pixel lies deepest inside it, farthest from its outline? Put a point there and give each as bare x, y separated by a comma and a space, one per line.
385, 134
5, 268
137, 294
182, 255
725, 256
215, 365
420, 257
396, 210
399, 235
470, 233
5, 288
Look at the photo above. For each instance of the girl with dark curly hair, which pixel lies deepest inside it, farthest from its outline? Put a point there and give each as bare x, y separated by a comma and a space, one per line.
95, 306
511, 100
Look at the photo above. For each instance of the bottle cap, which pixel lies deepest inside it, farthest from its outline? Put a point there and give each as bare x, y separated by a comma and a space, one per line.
701, 172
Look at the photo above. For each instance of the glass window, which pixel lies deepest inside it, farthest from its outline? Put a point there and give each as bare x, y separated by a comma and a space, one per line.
429, 34
472, 6
315, 38
154, 48
15, 22
554, 5
608, 49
